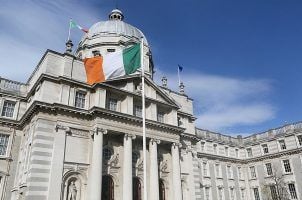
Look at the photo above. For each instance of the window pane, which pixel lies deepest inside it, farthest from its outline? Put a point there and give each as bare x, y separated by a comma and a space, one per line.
160, 117
256, 194
300, 139
80, 99
112, 104
3, 144
282, 144
287, 167
138, 111
292, 191
269, 169
8, 109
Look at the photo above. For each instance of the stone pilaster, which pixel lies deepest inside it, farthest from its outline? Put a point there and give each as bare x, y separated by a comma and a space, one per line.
95, 174
127, 167
176, 179
154, 189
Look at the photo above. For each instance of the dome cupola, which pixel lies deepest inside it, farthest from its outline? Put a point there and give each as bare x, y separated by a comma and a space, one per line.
116, 14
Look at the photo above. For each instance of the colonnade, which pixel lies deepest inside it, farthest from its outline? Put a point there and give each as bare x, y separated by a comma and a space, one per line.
95, 174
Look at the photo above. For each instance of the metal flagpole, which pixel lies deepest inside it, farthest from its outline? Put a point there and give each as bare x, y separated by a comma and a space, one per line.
178, 75
144, 119
69, 30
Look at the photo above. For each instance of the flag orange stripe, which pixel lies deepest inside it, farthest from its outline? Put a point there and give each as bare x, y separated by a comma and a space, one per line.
94, 70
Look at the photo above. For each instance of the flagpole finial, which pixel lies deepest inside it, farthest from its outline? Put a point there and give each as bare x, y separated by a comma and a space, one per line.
69, 46
181, 88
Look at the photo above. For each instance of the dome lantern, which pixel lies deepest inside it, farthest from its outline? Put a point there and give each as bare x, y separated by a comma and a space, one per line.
116, 14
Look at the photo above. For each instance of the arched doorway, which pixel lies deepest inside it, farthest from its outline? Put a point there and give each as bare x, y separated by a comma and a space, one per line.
162, 195
137, 189
107, 188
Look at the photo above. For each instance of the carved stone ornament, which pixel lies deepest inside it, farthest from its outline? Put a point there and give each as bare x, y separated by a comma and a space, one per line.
163, 166
78, 132
152, 140
114, 161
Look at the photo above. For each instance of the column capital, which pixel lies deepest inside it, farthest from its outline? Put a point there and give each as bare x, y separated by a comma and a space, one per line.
132, 136
97, 131
152, 140
176, 144
60, 126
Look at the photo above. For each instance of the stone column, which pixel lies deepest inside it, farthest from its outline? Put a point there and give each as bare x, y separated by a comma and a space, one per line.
127, 168
154, 183
177, 191
95, 174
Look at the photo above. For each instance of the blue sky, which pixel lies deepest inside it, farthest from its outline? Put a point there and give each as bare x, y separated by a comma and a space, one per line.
242, 59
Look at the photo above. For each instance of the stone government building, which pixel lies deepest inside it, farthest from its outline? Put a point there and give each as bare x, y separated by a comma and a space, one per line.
62, 139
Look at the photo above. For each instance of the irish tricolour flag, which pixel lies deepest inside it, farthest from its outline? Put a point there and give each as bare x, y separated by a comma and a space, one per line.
112, 65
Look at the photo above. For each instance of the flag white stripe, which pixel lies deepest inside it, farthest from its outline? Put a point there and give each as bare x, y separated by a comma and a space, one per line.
113, 65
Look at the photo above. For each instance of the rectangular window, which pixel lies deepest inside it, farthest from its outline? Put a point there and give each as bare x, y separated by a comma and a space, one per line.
269, 170
138, 111
300, 139
207, 193
282, 144
232, 194
242, 194
80, 99
202, 144
226, 151
217, 167
205, 169
3, 144
292, 191
112, 105
265, 148
237, 153
220, 194
8, 109
253, 172
160, 117
249, 152
215, 148
287, 167
229, 171
273, 192
239, 173
256, 194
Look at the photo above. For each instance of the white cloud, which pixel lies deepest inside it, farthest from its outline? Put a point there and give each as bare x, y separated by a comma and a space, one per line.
29, 27
222, 103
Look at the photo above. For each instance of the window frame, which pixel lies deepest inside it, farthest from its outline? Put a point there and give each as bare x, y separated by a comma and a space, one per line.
85, 99
8, 138
295, 196
4, 100
135, 109
264, 148
281, 148
249, 152
299, 142
267, 171
289, 165
253, 172
258, 194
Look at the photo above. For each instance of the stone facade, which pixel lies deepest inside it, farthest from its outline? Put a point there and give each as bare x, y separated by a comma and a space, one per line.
64, 139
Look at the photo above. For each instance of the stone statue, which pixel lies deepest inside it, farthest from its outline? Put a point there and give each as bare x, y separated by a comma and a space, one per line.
72, 191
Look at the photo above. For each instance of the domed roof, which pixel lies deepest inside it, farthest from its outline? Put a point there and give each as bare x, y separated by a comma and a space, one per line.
115, 27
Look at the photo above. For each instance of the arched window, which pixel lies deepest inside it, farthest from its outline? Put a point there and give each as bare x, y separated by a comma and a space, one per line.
137, 189
162, 194
107, 188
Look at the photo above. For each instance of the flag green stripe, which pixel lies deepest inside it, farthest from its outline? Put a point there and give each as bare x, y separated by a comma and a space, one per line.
131, 58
